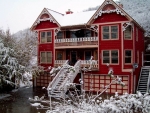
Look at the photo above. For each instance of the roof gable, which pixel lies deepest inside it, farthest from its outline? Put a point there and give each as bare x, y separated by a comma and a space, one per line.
45, 15
109, 6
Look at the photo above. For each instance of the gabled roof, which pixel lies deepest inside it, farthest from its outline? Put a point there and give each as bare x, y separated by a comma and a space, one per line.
52, 15
82, 18
118, 10
63, 20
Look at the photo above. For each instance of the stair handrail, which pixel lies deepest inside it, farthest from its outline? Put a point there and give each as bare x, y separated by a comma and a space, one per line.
139, 79
57, 75
68, 76
148, 82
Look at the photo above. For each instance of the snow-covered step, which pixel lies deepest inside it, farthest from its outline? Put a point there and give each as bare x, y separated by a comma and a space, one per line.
60, 80
143, 80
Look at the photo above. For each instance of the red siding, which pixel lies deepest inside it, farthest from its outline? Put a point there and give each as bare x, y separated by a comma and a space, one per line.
46, 24
46, 47
112, 17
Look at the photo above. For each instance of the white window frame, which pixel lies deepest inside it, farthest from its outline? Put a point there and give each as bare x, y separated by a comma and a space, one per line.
137, 34
130, 33
110, 57
110, 37
128, 56
46, 57
46, 37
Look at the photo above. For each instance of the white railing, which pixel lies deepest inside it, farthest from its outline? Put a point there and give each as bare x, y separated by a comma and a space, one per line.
148, 83
84, 63
88, 63
60, 62
53, 83
76, 41
71, 76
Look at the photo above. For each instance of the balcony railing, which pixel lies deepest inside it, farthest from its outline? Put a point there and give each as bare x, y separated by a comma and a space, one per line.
76, 41
84, 64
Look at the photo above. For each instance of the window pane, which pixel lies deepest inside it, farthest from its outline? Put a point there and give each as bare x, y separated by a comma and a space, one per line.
105, 60
105, 35
128, 56
114, 35
127, 60
48, 36
105, 56
106, 29
43, 39
49, 57
43, 58
114, 29
114, 56
127, 33
59, 56
88, 55
42, 34
106, 53
128, 53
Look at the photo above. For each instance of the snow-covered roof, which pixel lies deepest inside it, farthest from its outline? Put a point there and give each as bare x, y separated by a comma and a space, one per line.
80, 18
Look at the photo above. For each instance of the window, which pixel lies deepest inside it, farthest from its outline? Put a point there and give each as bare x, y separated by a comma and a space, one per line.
110, 32
128, 56
137, 34
110, 56
60, 35
59, 55
138, 57
46, 37
88, 55
127, 33
46, 57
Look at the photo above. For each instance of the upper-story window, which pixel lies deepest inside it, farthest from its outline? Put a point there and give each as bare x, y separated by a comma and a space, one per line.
110, 32
110, 56
46, 36
137, 34
128, 56
127, 33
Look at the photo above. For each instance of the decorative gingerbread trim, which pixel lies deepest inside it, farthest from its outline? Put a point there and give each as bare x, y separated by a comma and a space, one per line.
125, 25
56, 31
94, 28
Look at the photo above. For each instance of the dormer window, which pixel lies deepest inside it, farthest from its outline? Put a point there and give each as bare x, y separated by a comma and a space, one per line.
46, 37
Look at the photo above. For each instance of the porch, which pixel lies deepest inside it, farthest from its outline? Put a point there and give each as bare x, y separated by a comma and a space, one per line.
84, 64
75, 54
76, 42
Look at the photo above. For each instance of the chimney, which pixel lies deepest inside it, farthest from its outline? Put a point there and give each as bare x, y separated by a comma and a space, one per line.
120, 5
69, 11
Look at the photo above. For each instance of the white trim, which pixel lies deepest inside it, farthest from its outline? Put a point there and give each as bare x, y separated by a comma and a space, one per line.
110, 56
46, 29
110, 38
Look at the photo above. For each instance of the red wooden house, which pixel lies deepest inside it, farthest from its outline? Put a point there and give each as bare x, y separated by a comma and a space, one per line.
108, 34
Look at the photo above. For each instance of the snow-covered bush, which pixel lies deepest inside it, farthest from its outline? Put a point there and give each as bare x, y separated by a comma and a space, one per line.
10, 70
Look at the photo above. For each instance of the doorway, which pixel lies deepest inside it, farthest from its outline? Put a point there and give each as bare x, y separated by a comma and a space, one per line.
73, 57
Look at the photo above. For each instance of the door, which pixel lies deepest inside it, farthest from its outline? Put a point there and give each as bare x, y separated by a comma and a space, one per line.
73, 57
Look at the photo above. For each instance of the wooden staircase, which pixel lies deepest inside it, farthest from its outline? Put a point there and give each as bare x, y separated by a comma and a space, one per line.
143, 84
58, 87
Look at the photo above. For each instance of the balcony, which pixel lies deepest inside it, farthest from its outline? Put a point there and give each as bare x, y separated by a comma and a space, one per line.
84, 64
89, 42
